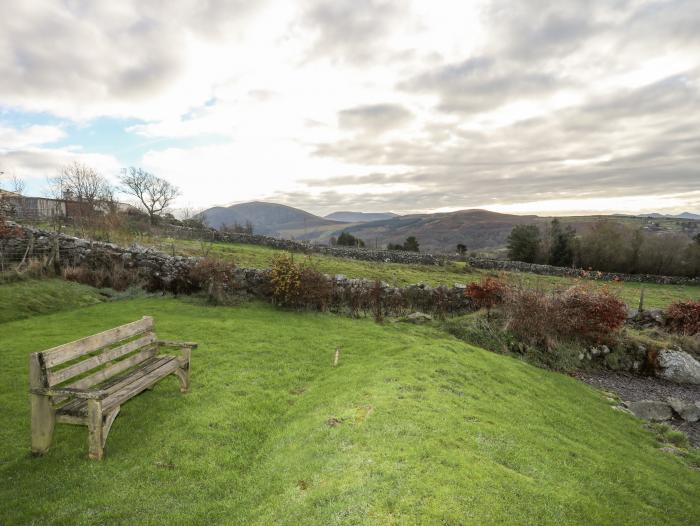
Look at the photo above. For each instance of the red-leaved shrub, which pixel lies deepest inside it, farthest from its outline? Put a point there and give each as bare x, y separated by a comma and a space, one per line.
487, 294
580, 312
591, 314
684, 317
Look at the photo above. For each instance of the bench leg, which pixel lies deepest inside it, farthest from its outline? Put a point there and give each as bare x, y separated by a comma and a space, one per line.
183, 374
107, 426
43, 423
95, 430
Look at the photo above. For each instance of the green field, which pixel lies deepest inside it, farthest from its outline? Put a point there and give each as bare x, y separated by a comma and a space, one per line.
411, 427
656, 296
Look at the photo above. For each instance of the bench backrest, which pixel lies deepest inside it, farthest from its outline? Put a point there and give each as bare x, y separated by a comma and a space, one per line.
105, 354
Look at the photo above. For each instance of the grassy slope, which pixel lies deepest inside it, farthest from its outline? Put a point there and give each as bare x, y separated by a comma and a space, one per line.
433, 432
27, 298
656, 296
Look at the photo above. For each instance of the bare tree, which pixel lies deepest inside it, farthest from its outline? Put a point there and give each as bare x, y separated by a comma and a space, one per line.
17, 184
154, 194
82, 183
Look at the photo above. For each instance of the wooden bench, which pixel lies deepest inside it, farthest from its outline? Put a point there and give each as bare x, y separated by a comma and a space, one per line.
85, 382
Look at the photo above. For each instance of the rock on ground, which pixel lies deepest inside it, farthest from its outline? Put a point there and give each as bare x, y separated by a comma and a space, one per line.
678, 366
650, 410
688, 411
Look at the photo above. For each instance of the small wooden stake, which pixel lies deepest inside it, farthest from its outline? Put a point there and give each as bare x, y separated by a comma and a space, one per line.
337, 357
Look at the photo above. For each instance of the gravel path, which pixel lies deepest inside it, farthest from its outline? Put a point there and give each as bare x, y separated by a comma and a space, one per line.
632, 388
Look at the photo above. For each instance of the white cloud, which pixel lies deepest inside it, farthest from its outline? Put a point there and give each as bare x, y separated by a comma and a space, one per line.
18, 138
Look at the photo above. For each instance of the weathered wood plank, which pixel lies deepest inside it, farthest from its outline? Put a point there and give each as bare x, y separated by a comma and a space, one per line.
68, 351
115, 369
77, 406
134, 388
66, 373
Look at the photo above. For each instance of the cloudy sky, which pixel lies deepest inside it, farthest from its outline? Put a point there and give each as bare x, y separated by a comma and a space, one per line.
528, 106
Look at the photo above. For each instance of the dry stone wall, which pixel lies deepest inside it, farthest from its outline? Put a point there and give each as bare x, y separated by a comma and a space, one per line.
172, 273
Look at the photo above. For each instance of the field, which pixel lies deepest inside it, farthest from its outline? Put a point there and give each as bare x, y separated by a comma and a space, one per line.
656, 296
411, 427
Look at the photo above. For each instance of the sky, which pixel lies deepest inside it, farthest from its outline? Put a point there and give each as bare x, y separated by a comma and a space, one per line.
533, 106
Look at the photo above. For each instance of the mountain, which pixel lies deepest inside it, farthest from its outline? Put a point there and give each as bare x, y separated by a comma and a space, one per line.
478, 229
269, 219
359, 217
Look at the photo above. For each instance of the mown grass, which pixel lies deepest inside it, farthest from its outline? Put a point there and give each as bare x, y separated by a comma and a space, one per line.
656, 296
26, 298
411, 427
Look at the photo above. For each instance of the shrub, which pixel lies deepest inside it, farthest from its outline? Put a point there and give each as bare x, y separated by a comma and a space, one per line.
591, 314
579, 313
316, 290
285, 277
216, 278
684, 317
487, 294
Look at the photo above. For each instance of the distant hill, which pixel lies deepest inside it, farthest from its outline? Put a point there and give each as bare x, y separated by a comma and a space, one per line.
359, 217
478, 229
269, 219
684, 215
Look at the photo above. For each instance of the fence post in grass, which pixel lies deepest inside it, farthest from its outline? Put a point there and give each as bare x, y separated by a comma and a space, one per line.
641, 298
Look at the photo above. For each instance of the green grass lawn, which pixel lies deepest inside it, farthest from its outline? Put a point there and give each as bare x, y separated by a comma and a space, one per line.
656, 296
412, 427
22, 299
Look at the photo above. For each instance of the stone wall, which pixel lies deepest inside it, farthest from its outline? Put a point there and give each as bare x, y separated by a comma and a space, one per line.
160, 271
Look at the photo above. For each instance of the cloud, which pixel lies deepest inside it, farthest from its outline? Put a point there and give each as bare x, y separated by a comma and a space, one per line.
350, 31
37, 164
130, 58
374, 118
480, 84
34, 135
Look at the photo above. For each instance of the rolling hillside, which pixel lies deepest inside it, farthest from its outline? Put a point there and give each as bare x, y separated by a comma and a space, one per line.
480, 230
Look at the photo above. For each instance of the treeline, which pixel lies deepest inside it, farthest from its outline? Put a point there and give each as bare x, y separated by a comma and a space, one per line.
607, 246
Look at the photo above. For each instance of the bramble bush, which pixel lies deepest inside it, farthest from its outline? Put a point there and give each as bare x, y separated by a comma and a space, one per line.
684, 317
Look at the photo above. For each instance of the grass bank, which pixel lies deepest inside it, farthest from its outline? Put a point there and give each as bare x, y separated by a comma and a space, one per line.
30, 297
411, 427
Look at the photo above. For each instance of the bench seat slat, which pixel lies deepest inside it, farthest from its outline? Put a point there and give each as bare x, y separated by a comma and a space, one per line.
69, 351
127, 386
66, 373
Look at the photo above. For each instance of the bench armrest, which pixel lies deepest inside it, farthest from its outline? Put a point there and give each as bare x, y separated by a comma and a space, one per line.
168, 343
87, 394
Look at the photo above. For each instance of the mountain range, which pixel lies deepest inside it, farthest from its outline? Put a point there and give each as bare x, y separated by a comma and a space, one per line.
480, 230
684, 215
